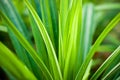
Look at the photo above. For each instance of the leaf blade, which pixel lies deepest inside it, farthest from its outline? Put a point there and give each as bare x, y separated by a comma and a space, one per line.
111, 72
49, 46
28, 47
110, 26
8, 61
106, 64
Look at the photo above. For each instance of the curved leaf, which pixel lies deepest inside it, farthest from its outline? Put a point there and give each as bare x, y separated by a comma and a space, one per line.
28, 47
110, 26
10, 62
106, 64
112, 72
49, 46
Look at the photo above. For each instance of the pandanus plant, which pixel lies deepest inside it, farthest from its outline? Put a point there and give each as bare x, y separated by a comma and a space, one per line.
62, 47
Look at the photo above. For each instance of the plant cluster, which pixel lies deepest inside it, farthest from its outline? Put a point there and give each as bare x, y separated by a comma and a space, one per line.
57, 39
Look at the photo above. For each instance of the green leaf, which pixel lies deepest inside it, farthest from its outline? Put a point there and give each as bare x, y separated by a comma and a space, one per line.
87, 31
3, 29
28, 47
114, 40
110, 26
112, 72
49, 46
47, 19
71, 39
39, 43
54, 18
9, 10
114, 63
106, 48
107, 6
15, 17
37, 7
64, 7
118, 78
87, 73
40, 46
107, 62
63, 14
11, 77
10, 62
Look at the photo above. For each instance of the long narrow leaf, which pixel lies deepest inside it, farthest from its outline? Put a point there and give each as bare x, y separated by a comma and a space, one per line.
114, 63
39, 43
10, 62
110, 26
118, 78
40, 46
28, 47
86, 34
112, 72
3, 29
70, 38
49, 46
9, 10
54, 18
106, 64
108, 6
63, 9
47, 19
11, 77
87, 29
